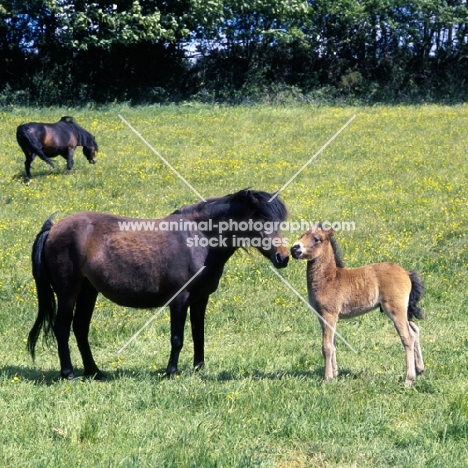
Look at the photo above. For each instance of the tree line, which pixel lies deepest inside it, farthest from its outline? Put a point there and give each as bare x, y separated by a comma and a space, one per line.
74, 52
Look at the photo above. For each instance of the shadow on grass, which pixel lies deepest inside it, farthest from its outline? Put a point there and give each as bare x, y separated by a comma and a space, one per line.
312, 374
50, 377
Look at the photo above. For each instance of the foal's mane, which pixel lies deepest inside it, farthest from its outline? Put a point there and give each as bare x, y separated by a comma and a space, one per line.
84, 137
337, 253
263, 209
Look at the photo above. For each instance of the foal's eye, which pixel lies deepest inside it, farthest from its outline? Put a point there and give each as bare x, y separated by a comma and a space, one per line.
316, 239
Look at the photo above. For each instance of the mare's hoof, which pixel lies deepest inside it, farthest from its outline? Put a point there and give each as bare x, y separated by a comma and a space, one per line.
172, 372
67, 376
96, 376
199, 366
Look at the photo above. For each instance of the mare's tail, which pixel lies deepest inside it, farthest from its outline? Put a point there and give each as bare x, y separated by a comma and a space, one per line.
45, 294
26, 140
417, 289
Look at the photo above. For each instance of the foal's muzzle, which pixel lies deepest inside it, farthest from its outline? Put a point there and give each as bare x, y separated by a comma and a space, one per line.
296, 251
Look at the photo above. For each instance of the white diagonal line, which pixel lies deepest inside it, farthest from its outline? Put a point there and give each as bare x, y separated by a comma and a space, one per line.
162, 159
161, 309
312, 158
288, 284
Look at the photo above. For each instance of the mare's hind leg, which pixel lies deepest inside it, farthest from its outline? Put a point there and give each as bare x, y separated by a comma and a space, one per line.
407, 336
81, 321
418, 359
62, 327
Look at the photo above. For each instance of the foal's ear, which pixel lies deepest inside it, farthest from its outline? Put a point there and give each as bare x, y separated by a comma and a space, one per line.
329, 232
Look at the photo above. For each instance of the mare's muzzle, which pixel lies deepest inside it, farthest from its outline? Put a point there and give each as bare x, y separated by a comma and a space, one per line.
281, 260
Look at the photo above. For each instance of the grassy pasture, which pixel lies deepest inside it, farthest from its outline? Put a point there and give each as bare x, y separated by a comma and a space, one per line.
400, 173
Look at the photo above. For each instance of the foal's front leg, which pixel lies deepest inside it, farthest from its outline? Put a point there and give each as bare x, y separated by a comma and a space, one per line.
328, 324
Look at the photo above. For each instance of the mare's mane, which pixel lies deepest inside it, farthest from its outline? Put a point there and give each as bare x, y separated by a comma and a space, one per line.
263, 209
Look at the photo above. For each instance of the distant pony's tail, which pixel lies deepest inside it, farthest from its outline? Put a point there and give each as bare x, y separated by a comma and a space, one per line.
417, 289
45, 294
26, 141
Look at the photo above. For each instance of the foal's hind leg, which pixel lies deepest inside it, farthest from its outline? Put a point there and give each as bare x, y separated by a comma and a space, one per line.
81, 321
418, 359
407, 336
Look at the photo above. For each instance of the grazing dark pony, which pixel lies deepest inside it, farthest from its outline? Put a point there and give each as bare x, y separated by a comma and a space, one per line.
143, 264
50, 140
337, 292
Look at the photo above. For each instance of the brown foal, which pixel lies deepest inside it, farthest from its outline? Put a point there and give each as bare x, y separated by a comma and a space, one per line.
337, 292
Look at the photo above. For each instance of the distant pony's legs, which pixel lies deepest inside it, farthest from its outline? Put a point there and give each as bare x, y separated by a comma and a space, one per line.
418, 359
27, 165
69, 159
328, 325
81, 321
408, 339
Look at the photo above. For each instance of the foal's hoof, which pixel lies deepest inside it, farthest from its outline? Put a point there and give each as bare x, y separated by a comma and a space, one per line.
409, 383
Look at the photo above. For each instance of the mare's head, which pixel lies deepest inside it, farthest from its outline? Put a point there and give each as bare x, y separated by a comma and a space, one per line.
248, 218
314, 244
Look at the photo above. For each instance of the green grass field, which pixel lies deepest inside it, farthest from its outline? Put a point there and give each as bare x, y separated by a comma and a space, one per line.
399, 173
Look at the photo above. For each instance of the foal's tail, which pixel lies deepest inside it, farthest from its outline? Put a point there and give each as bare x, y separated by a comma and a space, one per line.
417, 289
45, 294
25, 139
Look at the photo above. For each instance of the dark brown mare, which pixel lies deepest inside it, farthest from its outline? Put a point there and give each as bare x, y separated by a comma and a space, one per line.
50, 140
141, 263
337, 292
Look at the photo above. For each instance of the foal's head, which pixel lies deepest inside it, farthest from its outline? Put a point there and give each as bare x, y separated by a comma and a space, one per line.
314, 243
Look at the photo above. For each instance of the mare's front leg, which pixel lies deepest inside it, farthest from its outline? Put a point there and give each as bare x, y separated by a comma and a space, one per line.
197, 321
328, 324
178, 307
